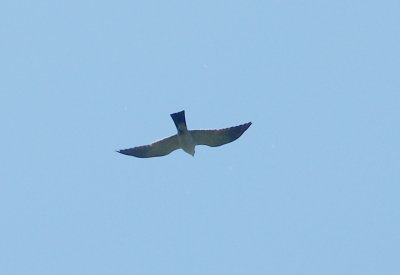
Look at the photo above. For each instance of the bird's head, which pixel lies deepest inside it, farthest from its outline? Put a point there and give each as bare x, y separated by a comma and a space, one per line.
192, 152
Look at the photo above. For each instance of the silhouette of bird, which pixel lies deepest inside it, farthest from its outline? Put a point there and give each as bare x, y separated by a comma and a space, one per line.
186, 139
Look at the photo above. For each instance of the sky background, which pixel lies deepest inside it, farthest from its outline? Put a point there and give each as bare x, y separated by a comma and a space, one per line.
311, 188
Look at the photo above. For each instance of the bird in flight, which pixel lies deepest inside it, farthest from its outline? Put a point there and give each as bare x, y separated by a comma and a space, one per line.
186, 139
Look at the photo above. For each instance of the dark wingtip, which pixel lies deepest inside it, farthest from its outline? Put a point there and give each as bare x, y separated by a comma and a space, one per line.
247, 125
243, 128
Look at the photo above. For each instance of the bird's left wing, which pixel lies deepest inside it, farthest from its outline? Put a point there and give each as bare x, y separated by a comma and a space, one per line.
218, 137
156, 149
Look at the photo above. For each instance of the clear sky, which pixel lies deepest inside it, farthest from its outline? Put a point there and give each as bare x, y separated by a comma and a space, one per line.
311, 188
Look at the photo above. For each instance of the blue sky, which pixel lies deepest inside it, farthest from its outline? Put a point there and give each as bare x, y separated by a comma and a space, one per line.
311, 188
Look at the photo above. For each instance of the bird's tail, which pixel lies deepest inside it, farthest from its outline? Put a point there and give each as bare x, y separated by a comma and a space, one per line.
179, 120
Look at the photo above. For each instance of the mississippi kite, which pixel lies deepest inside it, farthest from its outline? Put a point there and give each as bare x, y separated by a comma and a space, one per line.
186, 139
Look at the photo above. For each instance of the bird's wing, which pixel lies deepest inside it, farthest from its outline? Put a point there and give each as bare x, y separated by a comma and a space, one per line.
218, 137
156, 149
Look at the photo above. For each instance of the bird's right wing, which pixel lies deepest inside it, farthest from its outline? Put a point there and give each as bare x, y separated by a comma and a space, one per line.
156, 149
218, 137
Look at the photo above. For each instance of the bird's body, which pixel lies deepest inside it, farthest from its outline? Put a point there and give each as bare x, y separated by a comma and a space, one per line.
186, 142
187, 139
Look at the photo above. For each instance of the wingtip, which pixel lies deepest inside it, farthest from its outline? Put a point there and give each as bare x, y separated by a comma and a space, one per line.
248, 124
123, 152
